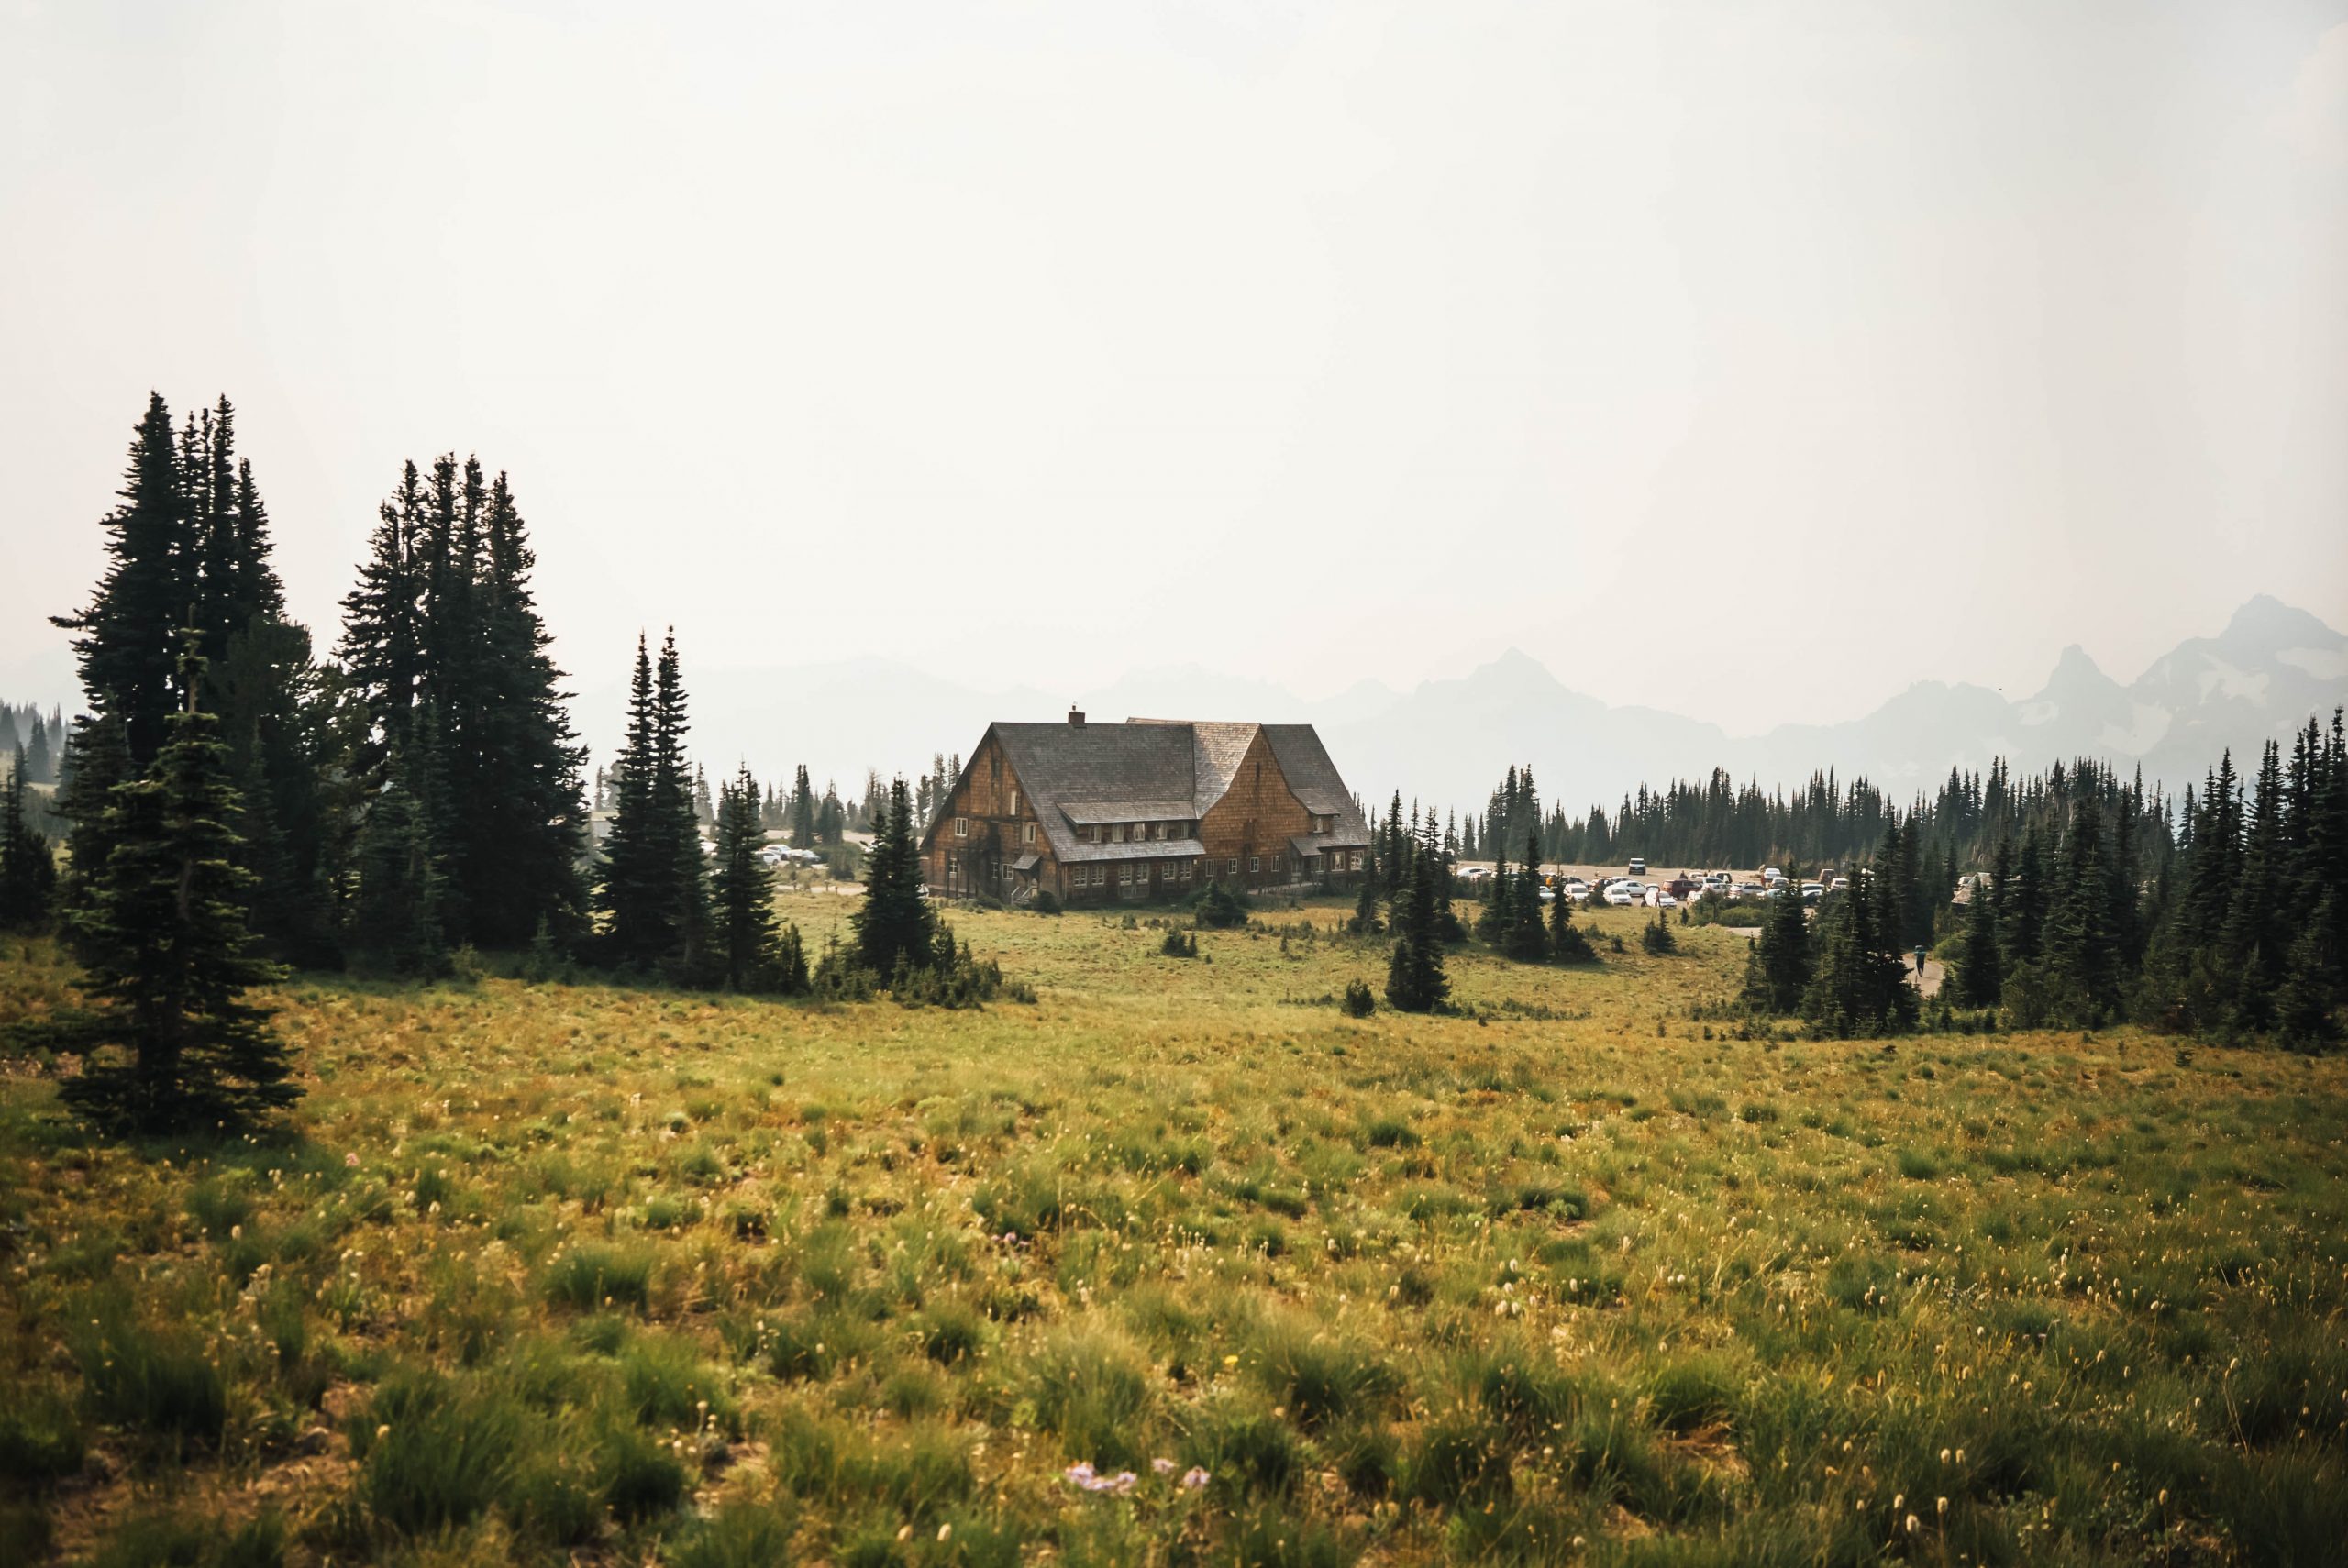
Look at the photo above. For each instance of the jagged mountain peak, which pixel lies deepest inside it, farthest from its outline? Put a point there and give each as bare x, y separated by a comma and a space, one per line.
2265, 625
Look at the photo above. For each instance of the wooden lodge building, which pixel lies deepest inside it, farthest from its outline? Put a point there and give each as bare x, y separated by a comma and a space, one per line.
1146, 809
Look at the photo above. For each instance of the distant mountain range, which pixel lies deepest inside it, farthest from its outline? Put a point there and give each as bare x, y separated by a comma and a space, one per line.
1448, 741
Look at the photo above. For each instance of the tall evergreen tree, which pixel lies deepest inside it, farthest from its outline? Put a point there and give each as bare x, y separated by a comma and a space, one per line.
1524, 939
639, 921
1568, 944
1778, 974
1415, 982
396, 925
742, 895
129, 660
895, 923
173, 1041
28, 869
1980, 971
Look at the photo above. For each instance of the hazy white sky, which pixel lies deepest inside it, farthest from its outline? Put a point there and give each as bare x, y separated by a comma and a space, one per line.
1746, 360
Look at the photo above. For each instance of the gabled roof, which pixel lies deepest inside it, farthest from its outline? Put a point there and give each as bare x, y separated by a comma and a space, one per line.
1157, 770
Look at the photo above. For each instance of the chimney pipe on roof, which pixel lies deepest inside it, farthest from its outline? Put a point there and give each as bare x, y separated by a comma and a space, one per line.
1076, 715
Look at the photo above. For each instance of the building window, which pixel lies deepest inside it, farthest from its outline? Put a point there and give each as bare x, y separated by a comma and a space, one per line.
1186, 870
950, 864
1235, 866
1357, 865
1014, 803
961, 827
1026, 833
1255, 864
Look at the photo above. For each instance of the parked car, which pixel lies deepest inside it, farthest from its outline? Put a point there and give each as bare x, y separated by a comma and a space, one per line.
1771, 873
1664, 900
1638, 867
1620, 896
1840, 885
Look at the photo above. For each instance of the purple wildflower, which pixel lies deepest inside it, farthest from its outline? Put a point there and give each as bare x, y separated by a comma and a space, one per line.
1193, 1478
1161, 1466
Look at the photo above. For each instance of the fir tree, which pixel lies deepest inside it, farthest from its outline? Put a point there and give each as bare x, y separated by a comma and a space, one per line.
895, 923
28, 869
635, 896
2255, 941
1365, 921
395, 924
742, 892
172, 1041
1568, 944
1414, 977
1981, 973
522, 823
1778, 974
1524, 938
2303, 1011
129, 659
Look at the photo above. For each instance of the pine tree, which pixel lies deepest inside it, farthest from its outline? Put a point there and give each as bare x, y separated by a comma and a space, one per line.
895, 923
1568, 944
635, 896
1778, 974
1365, 921
679, 821
2303, 1013
1391, 849
35, 758
1414, 977
802, 811
1523, 938
395, 924
1981, 973
522, 823
28, 869
2082, 960
2021, 915
129, 659
742, 894
2255, 941
172, 1041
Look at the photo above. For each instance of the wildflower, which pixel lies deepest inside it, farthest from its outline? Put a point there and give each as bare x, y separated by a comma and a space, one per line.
1912, 1524
1124, 1482
1080, 1472
1193, 1478
1161, 1466
351, 1162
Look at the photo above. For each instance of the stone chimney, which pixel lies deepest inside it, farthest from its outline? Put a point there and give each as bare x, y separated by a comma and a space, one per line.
1076, 715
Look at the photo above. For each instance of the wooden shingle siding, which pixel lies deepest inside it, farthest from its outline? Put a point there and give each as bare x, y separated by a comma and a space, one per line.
1142, 809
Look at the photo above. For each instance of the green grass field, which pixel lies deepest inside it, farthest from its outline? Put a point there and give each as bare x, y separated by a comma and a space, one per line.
567, 1273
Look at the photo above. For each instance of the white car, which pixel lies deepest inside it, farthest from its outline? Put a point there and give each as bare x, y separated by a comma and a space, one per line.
1622, 895
1665, 901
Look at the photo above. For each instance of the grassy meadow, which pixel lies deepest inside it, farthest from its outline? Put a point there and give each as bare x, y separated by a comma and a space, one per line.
565, 1273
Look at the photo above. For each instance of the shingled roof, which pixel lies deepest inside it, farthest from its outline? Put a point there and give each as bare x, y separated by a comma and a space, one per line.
1159, 770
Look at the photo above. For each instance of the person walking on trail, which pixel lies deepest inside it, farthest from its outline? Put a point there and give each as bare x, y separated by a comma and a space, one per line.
1919, 967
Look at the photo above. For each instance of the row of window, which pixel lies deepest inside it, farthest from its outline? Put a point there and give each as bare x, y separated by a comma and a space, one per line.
1133, 873
1026, 830
1132, 832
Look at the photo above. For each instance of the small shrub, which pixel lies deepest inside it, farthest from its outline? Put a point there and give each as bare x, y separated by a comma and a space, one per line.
433, 1457
1360, 1001
158, 1383
738, 1535
591, 1275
